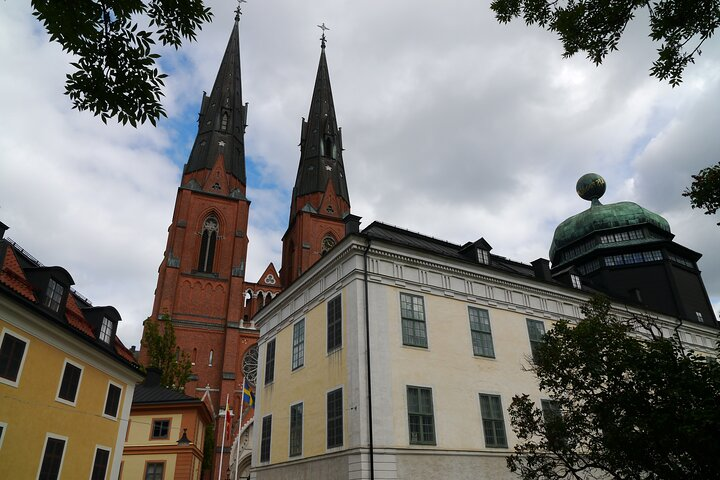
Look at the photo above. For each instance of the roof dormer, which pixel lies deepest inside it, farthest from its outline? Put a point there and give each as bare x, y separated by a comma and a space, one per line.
51, 285
104, 322
477, 251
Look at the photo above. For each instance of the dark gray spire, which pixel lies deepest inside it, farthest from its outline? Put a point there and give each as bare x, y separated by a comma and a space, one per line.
222, 121
321, 142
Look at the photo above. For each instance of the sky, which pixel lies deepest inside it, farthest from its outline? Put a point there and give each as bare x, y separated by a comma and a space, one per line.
454, 126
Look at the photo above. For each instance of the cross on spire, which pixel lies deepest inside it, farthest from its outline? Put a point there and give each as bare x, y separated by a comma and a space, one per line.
238, 12
323, 39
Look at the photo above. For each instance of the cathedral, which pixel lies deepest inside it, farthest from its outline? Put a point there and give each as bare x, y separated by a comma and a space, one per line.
202, 286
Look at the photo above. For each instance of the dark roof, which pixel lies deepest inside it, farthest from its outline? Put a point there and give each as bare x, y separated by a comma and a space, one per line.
18, 274
214, 138
150, 391
321, 159
415, 240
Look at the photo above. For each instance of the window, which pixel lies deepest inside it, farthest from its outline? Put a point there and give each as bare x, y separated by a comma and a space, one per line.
328, 242
112, 402
106, 330
335, 418
52, 458
298, 348
210, 358
100, 464
265, 439
3, 429
224, 121
483, 256
493, 423
160, 429
207, 244
480, 332
334, 324
412, 311
270, 362
576, 283
70, 382
536, 330
12, 357
296, 429
53, 296
154, 470
550, 409
421, 421
699, 317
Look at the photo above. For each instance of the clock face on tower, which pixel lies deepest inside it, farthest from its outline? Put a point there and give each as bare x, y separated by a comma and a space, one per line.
327, 243
250, 363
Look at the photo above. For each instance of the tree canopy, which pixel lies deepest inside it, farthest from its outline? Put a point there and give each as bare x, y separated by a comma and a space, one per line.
705, 190
163, 353
596, 27
625, 403
115, 72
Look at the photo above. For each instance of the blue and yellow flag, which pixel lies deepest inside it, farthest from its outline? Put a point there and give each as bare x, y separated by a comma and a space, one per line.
248, 395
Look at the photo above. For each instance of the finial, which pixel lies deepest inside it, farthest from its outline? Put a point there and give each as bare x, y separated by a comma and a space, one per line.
323, 39
591, 186
238, 12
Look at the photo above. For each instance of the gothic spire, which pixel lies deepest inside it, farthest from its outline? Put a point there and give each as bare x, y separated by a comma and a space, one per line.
321, 149
222, 120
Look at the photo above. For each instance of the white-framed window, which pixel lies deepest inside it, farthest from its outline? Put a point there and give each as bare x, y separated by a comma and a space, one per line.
53, 295
106, 330
576, 283
421, 418
70, 379
334, 324
493, 421
53, 454
13, 351
296, 429
334, 414
101, 461
483, 256
480, 332
699, 317
112, 400
412, 313
298, 345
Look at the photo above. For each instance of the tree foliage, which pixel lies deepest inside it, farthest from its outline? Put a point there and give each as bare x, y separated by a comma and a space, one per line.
705, 190
163, 353
625, 407
596, 26
115, 72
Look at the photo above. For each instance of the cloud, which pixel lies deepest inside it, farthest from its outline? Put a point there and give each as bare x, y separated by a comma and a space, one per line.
454, 126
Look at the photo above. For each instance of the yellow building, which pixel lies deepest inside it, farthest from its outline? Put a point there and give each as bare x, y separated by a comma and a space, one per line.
66, 380
166, 433
399, 354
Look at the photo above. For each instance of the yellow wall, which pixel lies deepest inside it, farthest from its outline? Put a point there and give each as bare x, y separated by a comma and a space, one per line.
134, 466
30, 410
141, 427
308, 384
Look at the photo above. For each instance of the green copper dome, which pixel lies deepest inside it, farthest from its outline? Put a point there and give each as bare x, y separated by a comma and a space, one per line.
601, 217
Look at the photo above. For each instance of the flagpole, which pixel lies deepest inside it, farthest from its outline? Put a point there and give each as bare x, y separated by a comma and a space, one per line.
222, 444
240, 425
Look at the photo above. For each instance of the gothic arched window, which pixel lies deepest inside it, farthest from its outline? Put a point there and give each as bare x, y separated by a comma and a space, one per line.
207, 244
224, 121
329, 147
327, 243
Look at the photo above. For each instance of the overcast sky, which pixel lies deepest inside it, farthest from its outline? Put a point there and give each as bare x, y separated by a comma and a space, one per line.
453, 126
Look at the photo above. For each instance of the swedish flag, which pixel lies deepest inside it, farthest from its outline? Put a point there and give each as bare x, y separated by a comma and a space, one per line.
248, 396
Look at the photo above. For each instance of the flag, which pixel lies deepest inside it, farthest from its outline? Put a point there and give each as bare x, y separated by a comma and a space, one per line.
228, 418
248, 396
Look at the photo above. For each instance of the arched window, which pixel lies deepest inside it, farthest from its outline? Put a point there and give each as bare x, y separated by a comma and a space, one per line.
210, 358
194, 357
328, 146
207, 245
224, 121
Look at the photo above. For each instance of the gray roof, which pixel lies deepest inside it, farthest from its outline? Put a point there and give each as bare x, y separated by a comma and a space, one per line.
215, 136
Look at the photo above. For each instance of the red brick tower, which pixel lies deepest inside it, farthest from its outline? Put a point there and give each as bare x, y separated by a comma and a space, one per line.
320, 199
201, 282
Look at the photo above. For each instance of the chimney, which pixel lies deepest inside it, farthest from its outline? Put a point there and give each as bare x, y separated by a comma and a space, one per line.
352, 224
541, 267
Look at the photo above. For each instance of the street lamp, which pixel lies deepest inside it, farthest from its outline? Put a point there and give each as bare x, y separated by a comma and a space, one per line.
184, 440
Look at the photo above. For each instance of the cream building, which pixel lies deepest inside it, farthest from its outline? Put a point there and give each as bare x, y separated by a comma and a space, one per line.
449, 330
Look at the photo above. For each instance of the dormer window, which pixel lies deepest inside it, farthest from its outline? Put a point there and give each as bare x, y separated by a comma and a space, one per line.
483, 256
106, 330
699, 317
54, 294
576, 283
207, 245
